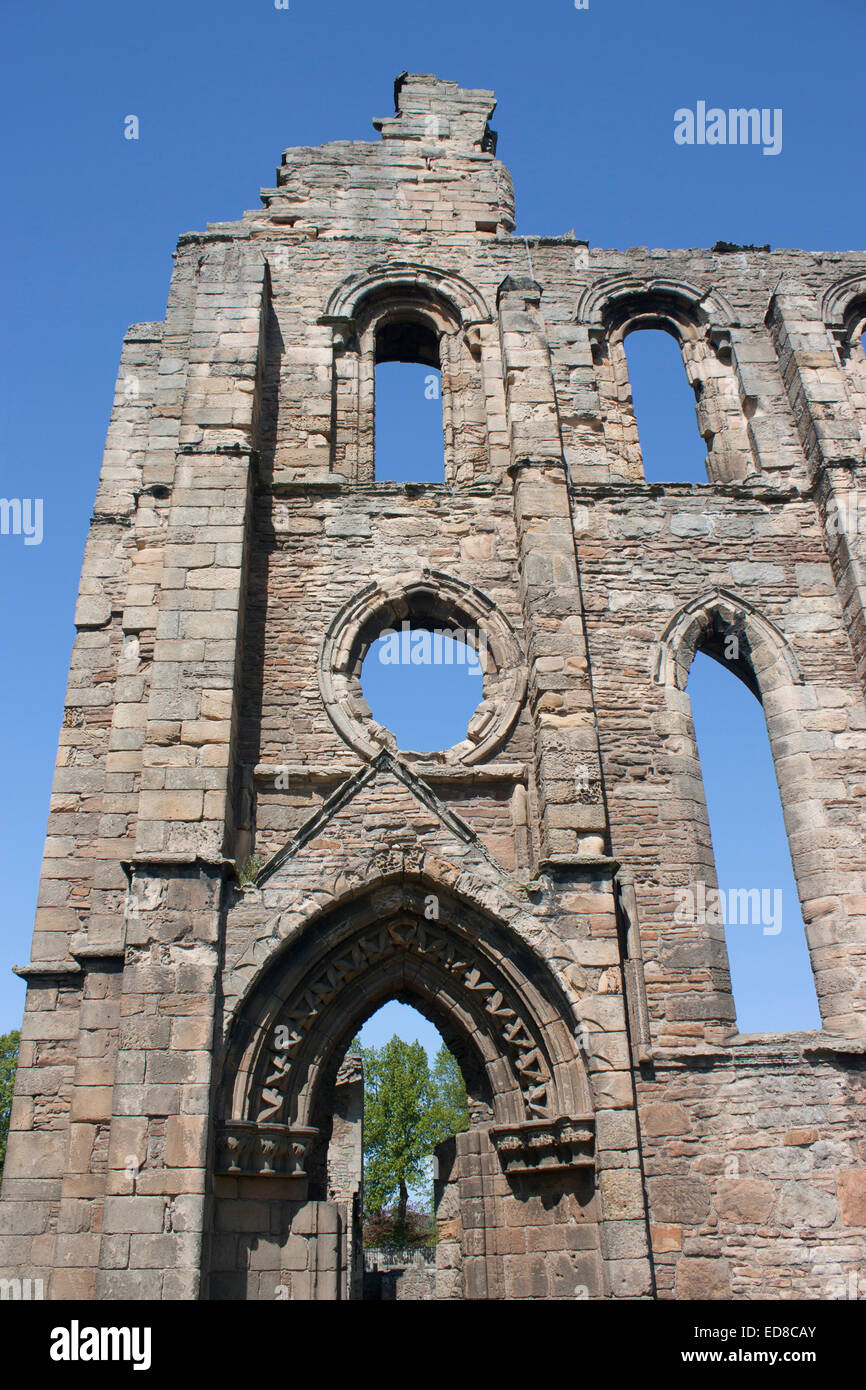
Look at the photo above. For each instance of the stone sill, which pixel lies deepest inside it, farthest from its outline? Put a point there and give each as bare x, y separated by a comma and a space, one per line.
339, 483
574, 863
763, 1049
36, 970
745, 491
431, 772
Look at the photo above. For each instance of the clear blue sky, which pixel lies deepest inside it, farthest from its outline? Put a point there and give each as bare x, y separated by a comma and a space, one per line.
220, 89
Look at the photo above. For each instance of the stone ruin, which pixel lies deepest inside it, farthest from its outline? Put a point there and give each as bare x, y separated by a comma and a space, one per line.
181, 1127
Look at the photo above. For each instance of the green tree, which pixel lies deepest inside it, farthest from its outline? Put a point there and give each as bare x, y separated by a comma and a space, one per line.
450, 1105
398, 1124
8, 1064
408, 1110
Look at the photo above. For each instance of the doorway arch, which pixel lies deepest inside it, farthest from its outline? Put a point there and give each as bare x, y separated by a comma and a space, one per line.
510, 1026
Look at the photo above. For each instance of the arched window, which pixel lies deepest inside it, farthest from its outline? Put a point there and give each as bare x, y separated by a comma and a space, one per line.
851, 337
697, 321
755, 896
409, 440
397, 1098
415, 1098
409, 390
844, 310
664, 409
788, 741
857, 325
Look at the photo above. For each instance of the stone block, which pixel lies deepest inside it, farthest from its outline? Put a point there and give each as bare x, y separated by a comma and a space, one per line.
704, 1279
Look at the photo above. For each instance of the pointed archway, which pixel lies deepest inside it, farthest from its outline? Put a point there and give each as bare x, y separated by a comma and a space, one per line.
528, 1158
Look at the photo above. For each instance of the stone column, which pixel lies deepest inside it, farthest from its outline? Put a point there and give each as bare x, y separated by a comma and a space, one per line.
833, 443
572, 814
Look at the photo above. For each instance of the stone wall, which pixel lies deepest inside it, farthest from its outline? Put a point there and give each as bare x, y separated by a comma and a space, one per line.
395, 1275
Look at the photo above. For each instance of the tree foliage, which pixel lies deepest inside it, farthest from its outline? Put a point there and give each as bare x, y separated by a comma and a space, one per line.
8, 1064
451, 1110
408, 1110
382, 1228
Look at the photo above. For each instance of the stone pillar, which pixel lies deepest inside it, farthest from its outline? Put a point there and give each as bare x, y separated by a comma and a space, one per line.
834, 445
572, 814
156, 1209
773, 435
57, 1149
449, 1230
345, 1170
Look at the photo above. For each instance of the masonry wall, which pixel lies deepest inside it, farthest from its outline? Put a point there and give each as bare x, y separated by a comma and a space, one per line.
240, 556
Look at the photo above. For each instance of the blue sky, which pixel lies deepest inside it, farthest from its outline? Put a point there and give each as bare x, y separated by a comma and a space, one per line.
585, 123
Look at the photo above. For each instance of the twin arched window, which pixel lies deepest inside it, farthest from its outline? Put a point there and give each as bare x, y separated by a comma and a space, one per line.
657, 354
408, 391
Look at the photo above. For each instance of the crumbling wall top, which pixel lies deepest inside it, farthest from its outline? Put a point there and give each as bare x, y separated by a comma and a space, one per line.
429, 108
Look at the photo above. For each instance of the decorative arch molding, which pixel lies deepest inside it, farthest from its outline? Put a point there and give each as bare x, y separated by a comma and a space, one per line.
428, 597
497, 1005
611, 304
396, 279
762, 649
843, 309
482, 887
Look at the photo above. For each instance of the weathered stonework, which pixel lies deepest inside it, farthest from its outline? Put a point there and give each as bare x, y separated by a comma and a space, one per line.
180, 1129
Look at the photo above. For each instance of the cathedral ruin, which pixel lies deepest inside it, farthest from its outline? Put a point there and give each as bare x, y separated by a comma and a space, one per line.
182, 1128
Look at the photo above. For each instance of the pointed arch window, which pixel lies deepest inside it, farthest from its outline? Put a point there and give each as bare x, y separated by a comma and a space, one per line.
754, 814
755, 894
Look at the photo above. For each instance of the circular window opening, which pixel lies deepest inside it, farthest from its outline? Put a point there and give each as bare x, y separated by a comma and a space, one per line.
427, 665
423, 684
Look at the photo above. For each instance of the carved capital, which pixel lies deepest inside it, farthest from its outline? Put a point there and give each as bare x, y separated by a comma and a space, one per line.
545, 1146
267, 1150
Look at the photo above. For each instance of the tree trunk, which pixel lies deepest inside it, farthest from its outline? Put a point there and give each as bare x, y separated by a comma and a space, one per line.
400, 1223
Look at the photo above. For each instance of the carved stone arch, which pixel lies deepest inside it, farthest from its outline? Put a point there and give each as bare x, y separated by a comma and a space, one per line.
429, 598
484, 887
495, 1000
287, 1173
844, 312
609, 303
763, 658
467, 305
294, 909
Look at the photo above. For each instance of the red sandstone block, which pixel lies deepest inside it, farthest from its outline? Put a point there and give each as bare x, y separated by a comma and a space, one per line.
666, 1238
851, 1188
